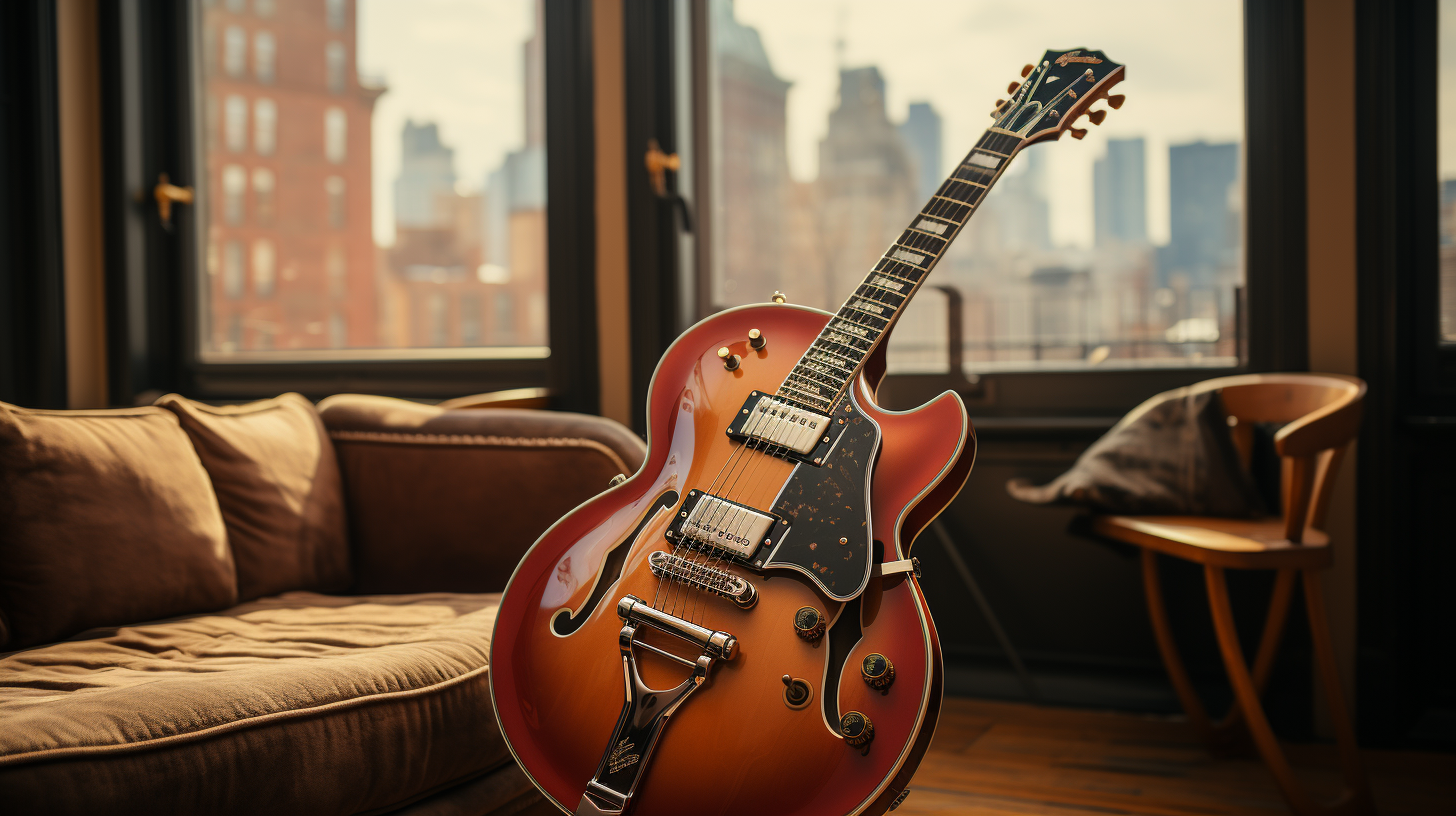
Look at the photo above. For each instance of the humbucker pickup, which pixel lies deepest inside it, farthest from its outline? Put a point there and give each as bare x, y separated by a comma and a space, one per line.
709, 522
771, 422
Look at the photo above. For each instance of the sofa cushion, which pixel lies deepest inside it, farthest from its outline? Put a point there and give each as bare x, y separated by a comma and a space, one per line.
277, 480
105, 517
301, 703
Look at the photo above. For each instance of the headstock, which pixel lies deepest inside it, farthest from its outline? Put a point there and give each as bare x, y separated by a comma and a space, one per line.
1055, 92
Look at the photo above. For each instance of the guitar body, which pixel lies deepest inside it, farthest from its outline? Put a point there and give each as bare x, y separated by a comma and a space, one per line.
736, 745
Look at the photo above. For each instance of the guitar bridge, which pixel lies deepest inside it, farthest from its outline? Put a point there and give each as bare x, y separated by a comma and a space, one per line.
703, 577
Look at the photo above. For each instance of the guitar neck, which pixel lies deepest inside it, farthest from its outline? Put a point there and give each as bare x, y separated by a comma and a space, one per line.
839, 353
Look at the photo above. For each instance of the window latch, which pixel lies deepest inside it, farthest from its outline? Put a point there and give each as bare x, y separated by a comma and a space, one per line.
166, 193
658, 163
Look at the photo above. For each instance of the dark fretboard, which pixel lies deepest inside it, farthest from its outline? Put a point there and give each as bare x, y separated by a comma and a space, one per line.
837, 355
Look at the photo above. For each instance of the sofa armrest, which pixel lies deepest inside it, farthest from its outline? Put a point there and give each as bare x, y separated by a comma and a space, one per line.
449, 500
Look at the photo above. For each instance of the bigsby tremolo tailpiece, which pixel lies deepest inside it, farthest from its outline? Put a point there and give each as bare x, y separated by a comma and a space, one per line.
646, 710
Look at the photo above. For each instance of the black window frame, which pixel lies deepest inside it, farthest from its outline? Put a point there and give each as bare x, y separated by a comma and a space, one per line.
152, 322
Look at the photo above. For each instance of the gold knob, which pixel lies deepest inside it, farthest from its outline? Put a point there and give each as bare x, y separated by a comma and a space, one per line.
808, 623
877, 671
856, 729
780, 297
756, 340
730, 360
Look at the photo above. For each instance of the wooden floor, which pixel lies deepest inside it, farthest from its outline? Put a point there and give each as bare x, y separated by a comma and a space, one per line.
1009, 758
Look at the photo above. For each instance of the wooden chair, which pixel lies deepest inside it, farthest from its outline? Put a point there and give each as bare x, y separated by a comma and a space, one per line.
1321, 413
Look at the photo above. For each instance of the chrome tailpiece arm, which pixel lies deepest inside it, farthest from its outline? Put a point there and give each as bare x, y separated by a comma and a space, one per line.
645, 710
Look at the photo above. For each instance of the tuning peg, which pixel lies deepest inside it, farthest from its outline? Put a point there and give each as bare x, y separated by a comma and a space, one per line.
1097, 116
1078, 133
1011, 89
1026, 69
1116, 101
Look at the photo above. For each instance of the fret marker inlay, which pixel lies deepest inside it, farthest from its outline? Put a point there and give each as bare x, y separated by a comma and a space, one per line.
983, 160
907, 256
931, 226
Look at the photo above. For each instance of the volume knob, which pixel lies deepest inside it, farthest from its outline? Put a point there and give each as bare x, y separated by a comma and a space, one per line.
808, 623
877, 671
730, 360
756, 340
856, 729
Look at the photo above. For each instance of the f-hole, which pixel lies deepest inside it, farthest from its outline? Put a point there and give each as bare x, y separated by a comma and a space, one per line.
842, 637
565, 622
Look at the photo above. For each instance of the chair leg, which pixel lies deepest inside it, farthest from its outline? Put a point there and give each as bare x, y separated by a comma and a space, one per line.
1231, 726
1172, 661
1247, 693
1357, 787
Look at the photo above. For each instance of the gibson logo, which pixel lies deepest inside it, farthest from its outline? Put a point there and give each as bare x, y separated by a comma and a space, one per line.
1071, 56
620, 758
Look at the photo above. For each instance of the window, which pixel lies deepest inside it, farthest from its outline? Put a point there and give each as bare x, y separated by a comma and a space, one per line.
335, 135
336, 66
1121, 251
263, 195
265, 8
234, 189
1446, 164
412, 191
234, 52
505, 314
235, 124
263, 268
265, 126
334, 11
265, 50
334, 188
232, 269
237, 6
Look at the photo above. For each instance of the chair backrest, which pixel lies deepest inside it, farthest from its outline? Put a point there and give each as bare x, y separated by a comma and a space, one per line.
1321, 415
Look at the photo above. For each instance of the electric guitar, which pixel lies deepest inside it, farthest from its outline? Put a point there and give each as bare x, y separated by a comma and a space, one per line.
738, 628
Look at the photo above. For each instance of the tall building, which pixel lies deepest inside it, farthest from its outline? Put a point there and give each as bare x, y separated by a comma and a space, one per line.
866, 180
751, 165
1204, 236
1119, 195
290, 246
426, 177
921, 131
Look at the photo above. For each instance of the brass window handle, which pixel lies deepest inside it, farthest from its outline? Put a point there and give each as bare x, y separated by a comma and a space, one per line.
166, 193
657, 164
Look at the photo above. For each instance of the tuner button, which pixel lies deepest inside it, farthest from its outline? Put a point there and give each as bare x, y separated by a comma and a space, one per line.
1026, 69
808, 623
1011, 89
856, 729
1078, 133
1097, 116
730, 360
1116, 101
1000, 102
756, 339
877, 671
780, 297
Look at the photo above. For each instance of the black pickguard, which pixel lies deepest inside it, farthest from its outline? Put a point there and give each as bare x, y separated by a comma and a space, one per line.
830, 503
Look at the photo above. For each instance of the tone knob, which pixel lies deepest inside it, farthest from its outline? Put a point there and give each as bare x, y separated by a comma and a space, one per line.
756, 340
730, 360
856, 729
808, 623
877, 671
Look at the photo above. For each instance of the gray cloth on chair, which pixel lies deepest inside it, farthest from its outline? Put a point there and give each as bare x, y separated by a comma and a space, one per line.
1172, 455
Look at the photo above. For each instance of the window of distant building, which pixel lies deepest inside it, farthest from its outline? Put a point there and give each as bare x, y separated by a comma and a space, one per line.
232, 269
338, 330
235, 123
234, 340
336, 134
337, 268
334, 189
505, 317
265, 126
264, 268
265, 54
263, 185
234, 191
336, 63
234, 52
470, 320
237, 6
265, 8
334, 10
438, 319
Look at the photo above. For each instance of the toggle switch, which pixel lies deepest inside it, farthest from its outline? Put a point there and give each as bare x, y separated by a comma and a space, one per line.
756, 340
730, 360
797, 693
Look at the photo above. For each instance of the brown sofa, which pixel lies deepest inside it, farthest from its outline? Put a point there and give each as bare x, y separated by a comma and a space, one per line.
268, 609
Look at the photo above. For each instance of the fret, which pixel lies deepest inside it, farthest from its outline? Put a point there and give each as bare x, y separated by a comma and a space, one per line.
949, 210
966, 192
823, 402
851, 329
974, 172
921, 242
845, 341
929, 249
937, 224
818, 373
829, 358
889, 298
979, 149
870, 307
813, 379
901, 269
890, 282
865, 319
1000, 140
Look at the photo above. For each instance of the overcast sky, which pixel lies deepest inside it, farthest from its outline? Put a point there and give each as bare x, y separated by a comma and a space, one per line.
457, 62
1184, 75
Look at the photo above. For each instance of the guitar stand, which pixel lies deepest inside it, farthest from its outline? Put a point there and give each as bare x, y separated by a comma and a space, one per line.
1027, 685
645, 710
